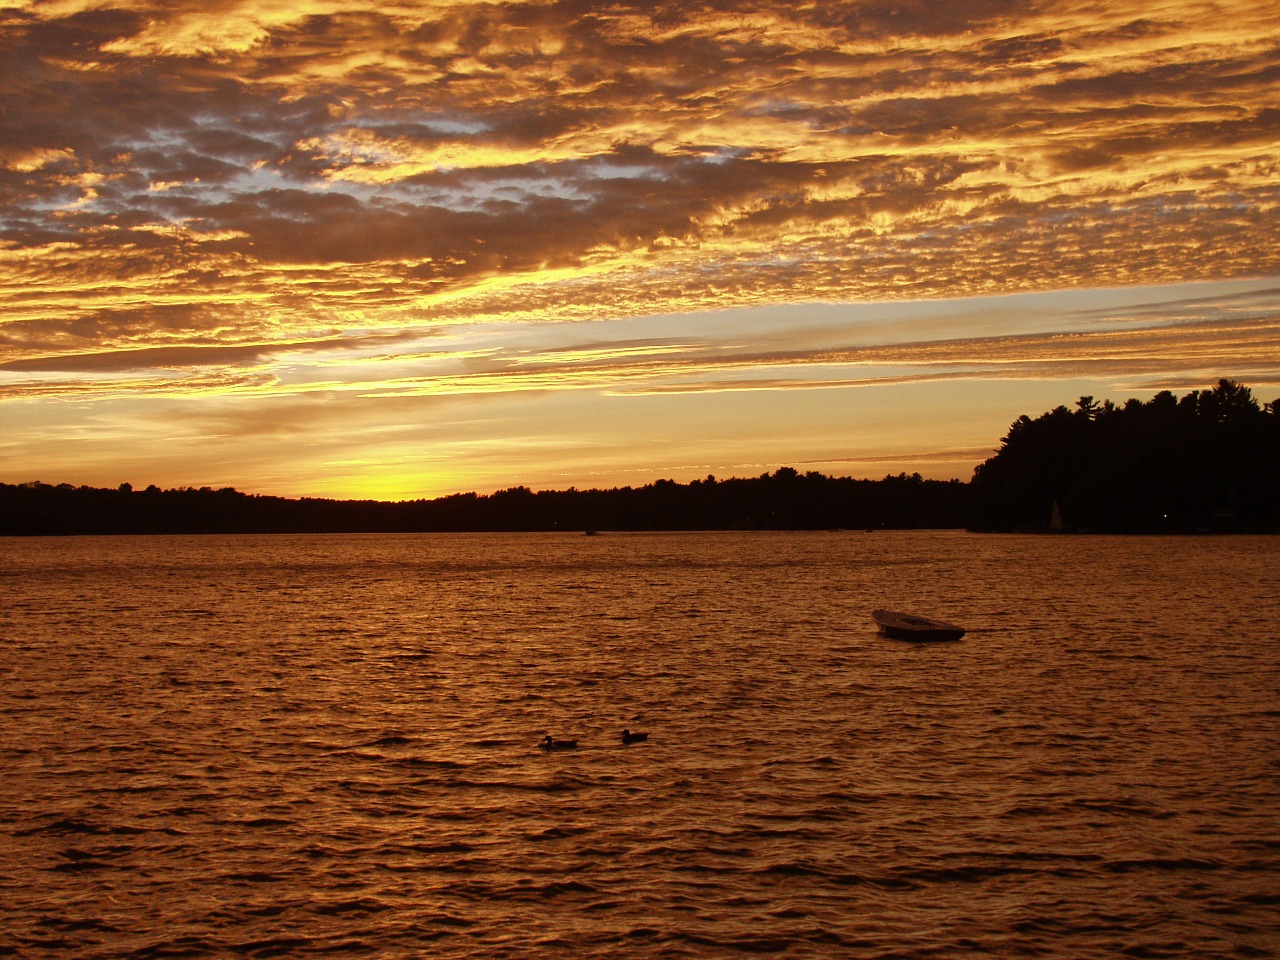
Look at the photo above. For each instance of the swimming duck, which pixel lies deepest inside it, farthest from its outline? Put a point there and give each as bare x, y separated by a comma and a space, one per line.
548, 743
629, 737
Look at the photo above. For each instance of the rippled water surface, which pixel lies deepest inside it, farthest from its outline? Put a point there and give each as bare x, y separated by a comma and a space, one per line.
302, 746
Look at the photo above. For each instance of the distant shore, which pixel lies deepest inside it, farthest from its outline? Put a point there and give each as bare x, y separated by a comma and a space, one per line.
783, 500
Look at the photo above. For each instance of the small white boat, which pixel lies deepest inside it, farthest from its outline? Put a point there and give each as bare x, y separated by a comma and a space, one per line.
906, 626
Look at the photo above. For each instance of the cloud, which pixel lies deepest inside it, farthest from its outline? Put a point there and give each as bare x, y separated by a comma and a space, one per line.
479, 363
178, 357
970, 454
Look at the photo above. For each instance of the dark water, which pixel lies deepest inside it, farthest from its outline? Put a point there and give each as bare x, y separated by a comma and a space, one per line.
276, 746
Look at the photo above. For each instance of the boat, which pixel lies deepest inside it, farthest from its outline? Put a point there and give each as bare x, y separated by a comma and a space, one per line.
907, 626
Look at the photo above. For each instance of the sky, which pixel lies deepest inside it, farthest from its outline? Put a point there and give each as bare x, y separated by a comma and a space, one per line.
404, 249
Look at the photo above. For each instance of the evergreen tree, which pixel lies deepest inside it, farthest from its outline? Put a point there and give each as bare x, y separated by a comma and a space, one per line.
1209, 461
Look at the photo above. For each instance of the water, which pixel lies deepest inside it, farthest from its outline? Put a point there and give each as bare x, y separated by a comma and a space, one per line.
305, 746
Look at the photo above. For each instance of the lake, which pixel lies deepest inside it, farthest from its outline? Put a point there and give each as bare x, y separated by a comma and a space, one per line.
327, 745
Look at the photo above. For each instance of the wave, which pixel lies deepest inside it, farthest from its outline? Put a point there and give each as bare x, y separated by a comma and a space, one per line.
183, 785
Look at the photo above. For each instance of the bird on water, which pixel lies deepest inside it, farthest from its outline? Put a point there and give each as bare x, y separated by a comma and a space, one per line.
550, 743
629, 737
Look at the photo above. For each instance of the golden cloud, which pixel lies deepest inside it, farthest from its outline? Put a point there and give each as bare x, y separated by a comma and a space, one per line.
251, 176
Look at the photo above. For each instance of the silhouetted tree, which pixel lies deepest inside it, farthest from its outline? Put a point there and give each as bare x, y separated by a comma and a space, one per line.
1209, 461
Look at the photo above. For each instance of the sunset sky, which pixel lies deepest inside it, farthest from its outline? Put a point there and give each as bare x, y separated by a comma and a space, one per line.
399, 250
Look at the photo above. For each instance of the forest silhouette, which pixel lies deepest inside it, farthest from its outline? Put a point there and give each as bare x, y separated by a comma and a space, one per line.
1206, 462
1209, 461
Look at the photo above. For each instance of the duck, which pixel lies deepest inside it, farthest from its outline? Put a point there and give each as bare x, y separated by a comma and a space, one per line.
629, 737
550, 743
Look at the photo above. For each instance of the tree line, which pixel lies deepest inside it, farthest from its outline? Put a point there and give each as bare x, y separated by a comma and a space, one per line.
785, 499
1209, 461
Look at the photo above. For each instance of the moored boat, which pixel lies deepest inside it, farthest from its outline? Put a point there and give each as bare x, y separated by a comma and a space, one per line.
907, 626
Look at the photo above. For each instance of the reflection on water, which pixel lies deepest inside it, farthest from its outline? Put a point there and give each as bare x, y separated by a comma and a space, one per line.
293, 746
